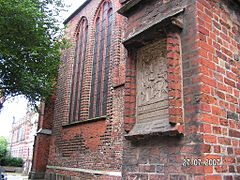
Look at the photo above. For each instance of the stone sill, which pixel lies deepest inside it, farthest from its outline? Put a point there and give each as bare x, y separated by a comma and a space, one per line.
85, 121
123, 1
44, 131
118, 85
174, 132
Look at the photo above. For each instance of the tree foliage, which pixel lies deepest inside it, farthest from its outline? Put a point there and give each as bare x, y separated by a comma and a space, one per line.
5, 158
29, 47
3, 148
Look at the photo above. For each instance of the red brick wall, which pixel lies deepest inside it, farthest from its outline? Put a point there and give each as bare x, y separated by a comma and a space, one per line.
40, 156
94, 144
42, 141
208, 46
218, 27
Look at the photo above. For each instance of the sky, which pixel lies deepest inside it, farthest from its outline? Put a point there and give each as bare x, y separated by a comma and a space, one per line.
74, 4
17, 107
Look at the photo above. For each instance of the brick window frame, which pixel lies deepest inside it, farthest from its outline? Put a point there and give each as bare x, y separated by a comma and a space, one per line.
101, 61
78, 71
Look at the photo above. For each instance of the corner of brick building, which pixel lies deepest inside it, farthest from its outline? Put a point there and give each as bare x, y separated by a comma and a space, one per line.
218, 32
207, 112
42, 140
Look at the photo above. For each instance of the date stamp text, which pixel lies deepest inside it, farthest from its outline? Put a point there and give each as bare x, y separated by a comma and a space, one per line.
201, 162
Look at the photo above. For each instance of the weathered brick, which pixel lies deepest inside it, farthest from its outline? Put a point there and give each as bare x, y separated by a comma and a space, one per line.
234, 133
232, 115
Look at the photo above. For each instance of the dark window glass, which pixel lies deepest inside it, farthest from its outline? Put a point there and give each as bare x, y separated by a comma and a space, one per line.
78, 70
100, 69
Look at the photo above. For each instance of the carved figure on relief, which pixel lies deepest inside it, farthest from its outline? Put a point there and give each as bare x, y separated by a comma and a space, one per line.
152, 75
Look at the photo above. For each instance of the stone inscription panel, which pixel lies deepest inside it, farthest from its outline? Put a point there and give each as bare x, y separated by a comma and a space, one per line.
152, 94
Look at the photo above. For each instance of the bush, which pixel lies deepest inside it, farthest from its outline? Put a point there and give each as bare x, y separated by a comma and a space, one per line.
5, 158
12, 161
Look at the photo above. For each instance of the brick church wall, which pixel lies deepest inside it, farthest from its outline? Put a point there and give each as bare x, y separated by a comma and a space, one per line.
94, 144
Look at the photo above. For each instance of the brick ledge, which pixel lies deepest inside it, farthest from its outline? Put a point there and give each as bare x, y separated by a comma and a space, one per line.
110, 173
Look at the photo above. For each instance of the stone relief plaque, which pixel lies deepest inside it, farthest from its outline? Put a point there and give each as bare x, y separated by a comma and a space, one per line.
152, 94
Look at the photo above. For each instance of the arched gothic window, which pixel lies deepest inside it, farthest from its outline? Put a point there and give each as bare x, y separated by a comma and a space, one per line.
101, 59
78, 70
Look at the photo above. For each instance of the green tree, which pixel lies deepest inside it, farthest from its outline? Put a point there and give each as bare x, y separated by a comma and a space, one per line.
5, 157
29, 48
3, 148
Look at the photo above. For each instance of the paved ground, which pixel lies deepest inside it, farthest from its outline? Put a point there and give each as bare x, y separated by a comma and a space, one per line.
15, 176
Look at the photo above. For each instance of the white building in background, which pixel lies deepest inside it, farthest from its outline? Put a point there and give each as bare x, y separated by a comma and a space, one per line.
22, 138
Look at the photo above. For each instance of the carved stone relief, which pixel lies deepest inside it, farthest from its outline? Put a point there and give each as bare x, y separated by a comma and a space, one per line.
152, 93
